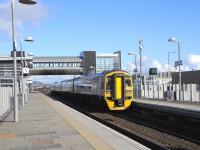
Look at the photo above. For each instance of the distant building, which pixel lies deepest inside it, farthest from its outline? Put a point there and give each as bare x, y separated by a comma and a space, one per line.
6, 64
187, 77
97, 63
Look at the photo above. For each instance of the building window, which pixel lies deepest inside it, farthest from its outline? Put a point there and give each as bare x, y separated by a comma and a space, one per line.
77, 64
104, 63
46, 64
65, 64
51, 65
56, 64
60, 64
39, 64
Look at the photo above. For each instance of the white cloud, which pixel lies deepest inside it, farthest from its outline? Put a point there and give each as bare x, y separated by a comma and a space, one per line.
162, 67
130, 67
194, 61
23, 14
185, 68
156, 64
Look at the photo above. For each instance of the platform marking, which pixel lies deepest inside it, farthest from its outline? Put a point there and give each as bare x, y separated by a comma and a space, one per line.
7, 136
92, 138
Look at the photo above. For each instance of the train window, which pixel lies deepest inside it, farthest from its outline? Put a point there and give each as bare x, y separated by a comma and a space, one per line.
109, 84
128, 82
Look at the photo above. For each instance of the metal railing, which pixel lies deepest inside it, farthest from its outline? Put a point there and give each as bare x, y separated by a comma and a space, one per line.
189, 92
6, 95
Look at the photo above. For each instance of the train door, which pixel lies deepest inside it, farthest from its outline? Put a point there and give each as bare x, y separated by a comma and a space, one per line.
119, 90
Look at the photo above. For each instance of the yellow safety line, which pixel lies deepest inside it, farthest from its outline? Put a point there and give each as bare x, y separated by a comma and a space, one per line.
92, 138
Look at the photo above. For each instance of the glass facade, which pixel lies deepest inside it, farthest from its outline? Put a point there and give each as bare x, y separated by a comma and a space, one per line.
107, 62
56, 64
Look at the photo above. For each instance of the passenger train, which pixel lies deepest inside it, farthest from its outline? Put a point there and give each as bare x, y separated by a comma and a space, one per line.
111, 89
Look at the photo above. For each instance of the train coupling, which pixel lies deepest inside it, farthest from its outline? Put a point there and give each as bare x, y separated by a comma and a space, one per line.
119, 103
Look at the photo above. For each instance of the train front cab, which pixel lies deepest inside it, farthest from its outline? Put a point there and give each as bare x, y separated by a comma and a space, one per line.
118, 90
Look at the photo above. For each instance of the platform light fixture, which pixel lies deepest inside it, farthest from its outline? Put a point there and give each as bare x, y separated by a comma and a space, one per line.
141, 46
178, 63
135, 70
28, 2
24, 94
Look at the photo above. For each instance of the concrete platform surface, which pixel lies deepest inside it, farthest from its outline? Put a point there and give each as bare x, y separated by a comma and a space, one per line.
173, 104
48, 124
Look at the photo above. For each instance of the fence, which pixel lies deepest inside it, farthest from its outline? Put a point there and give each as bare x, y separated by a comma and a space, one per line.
6, 96
5, 99
189, 92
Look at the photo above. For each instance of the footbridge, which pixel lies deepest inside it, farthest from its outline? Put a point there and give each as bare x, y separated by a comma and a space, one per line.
55, 65
88, 62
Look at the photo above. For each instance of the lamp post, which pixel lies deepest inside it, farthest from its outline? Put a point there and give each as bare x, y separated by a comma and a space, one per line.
14, 55
141, 46
28, 39
178, 63
135, 70
24, 95
169, 63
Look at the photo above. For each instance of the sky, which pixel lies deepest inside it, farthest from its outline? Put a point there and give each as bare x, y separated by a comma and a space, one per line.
66, 27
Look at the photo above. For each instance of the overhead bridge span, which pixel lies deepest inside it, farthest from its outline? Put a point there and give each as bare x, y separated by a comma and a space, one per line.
56, 65
88, 62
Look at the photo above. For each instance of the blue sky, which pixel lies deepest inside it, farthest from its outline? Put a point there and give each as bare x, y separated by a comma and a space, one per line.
67, 27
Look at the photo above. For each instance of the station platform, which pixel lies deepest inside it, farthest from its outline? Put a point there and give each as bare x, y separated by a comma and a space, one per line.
178, 108
45, 123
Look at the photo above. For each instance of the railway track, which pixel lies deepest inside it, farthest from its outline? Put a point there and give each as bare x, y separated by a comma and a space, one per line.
180, 131
148, 132
108, 122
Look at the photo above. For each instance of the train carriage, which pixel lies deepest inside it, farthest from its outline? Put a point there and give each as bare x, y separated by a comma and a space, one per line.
112, 89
